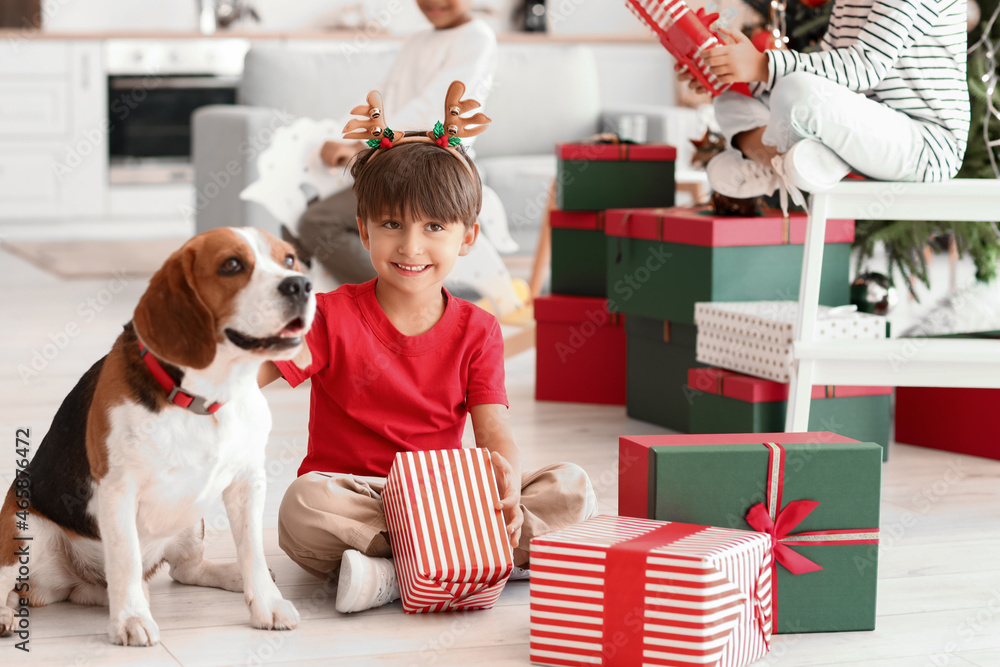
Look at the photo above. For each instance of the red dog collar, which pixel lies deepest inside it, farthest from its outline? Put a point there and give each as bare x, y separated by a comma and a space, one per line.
195, 404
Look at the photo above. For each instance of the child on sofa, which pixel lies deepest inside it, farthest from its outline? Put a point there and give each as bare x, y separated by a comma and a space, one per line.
886, 96
397, 364
458, 47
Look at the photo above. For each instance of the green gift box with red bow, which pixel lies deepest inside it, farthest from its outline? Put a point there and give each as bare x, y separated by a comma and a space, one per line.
817, 494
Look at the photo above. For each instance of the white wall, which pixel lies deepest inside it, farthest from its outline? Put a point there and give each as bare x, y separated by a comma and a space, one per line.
181, 15
566, 17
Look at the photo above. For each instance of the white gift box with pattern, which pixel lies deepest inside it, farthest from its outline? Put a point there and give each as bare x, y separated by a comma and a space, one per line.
619, 591
756, 337
449, 543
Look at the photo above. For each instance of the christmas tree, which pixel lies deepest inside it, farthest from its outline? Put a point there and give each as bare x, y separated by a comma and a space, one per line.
805, 22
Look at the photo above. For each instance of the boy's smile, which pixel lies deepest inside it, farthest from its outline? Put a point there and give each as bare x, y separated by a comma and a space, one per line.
410, 269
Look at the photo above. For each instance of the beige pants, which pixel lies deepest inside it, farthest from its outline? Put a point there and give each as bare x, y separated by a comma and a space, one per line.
324, 514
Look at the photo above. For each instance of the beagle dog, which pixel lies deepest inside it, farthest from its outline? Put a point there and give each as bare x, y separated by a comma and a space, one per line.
154, 432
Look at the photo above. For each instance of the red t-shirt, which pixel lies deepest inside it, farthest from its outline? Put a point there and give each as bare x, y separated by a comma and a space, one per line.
376, 392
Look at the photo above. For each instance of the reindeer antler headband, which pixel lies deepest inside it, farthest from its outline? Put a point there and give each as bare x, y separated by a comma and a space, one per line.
374, 128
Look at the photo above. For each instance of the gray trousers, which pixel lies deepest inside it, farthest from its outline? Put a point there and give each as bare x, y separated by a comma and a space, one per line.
328, 231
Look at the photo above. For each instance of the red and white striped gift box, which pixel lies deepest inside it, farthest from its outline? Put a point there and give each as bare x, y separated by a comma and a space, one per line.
622, 592
449, 543
683, 34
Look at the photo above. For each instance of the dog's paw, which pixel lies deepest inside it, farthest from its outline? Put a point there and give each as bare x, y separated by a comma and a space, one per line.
134, 631
6, 621
280, 615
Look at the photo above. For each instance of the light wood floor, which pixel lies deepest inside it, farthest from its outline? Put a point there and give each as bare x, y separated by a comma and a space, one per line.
939, 597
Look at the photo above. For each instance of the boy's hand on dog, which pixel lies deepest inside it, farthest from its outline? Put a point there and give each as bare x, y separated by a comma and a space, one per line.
738, 60
510, 497
338, 153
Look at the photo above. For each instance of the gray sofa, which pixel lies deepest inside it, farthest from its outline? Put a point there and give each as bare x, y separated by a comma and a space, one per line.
542, 94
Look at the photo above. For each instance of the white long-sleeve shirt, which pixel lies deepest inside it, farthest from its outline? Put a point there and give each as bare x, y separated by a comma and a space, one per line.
906, 54
426, 65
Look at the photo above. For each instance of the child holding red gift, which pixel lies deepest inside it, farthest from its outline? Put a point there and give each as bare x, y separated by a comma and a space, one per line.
398, 363
886, 97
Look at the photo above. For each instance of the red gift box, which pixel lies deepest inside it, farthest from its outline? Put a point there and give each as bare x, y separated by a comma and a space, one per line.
449, 543
686, 35
701, 227
758, 390
581, 351
621, 592
953, 419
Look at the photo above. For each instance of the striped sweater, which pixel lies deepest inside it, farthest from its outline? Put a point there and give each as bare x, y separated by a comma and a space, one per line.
906, 54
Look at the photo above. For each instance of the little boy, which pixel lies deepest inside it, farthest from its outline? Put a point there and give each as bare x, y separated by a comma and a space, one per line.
397, 363
457, 46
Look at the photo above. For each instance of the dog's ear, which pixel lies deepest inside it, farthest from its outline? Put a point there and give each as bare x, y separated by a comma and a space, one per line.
171, 318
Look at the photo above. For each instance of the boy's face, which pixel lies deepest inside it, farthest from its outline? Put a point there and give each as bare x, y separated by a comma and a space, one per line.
415, 253
444, 14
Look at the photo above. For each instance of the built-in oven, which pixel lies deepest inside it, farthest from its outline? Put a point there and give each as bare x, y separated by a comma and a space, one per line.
153, 88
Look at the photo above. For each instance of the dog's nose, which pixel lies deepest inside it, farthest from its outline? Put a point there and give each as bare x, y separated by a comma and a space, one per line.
296, 288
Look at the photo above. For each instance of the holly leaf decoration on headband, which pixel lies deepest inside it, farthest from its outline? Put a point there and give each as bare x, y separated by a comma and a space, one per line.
438, 130
454, 141
388, 136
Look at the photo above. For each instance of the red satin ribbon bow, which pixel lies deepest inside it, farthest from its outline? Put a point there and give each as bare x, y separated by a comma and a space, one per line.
787, 519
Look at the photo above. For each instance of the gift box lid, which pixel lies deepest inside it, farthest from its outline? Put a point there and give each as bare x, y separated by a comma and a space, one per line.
774, 321
588, 220
700, 226
617, 152
634, 450
564, 308
758, 390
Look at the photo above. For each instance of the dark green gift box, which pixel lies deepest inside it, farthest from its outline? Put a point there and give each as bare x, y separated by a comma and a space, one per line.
579, 253
715, 480
661, 261
594, 177
659, 356
724, 401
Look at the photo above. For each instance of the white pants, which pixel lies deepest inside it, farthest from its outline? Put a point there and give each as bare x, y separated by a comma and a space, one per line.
875, 140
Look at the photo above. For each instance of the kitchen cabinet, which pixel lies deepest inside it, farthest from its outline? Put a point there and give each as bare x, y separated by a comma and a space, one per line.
53, 133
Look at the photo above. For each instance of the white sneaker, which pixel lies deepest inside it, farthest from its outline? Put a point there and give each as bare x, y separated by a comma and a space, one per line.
365, 582
733, 175
519, 574
814, 167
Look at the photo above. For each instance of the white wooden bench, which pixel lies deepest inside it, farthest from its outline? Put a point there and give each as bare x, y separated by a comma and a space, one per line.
899, 362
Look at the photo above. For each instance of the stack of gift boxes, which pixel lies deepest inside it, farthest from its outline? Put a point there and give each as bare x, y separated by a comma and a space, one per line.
736, 530
628, 269
581, 337
723, 540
